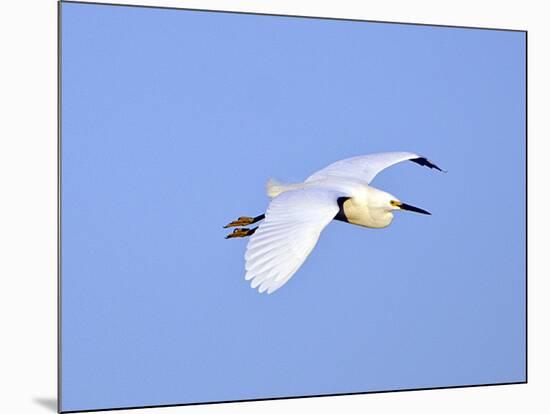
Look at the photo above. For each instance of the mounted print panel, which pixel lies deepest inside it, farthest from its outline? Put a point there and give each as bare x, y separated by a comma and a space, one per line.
259, 206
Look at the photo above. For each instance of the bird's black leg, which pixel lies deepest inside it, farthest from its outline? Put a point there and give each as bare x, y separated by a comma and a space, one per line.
244, 221
243, 232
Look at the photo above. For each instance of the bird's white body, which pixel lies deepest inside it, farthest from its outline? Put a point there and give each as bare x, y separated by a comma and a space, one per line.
299, 212
364, 207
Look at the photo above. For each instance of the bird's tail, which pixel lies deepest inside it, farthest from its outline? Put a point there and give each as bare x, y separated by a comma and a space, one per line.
274, 187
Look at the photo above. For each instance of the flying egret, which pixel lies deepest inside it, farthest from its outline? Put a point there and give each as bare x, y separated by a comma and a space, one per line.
298, 213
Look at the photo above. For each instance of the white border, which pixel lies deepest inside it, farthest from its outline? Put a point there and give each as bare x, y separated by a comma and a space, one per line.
28, 29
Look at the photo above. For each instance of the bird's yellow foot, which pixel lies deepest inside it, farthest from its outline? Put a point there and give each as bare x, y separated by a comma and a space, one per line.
241, 221
244, 232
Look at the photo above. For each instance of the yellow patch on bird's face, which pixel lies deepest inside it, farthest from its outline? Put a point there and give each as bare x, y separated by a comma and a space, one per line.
395, 203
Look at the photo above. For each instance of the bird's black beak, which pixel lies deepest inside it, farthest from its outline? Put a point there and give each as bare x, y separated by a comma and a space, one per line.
408, 207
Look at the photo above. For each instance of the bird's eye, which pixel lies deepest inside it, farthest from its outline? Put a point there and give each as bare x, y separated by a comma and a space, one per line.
395, 203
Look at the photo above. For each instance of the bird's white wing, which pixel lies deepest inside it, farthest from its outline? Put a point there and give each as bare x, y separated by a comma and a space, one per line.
366, 167
293, 222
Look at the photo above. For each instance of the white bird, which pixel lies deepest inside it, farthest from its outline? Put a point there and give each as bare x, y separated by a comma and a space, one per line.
298, 213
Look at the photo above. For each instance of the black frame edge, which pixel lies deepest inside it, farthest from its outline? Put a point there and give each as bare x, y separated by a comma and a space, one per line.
59, 121
289, 15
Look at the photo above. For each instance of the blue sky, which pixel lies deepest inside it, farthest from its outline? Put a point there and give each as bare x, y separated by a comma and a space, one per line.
172, 123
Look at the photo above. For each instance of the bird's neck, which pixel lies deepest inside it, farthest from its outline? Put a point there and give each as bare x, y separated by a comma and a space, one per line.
358, 212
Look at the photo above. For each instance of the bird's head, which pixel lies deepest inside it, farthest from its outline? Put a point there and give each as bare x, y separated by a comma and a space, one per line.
395, 204
390, 203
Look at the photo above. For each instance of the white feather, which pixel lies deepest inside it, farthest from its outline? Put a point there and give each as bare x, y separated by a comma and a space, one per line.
364, 167
294, 220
